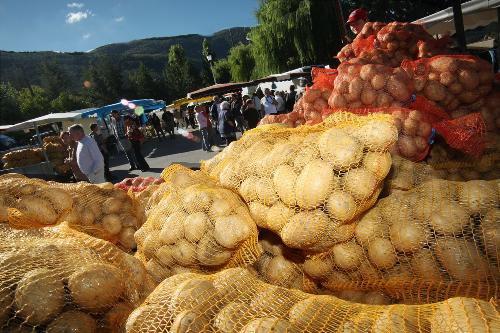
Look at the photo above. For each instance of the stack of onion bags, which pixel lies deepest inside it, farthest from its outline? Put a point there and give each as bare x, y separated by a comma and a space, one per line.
234, 301
309, 184
57, 280
436, 241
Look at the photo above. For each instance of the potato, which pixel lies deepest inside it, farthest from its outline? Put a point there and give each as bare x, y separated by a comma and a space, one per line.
73, 321
449, 218
360, 183
117, 317
265, 325
337, 100
39, 209
231, 317
443, 64
314, 313
461, 259
281, 271
371, 226
142, 315
305, 229
314, 184
339, 149
478, 195
195, 226
220, 207
378, 81
39, 296
306, 155
195, 200
490, 229
398, 89
319, 267
460, 314
265, 191
95, 287
347, 256
341, 206
184, 253
407, 147
127, 238
425, 266
60, 199
278, 215
376, 298
165, 255
397, 318
112, 224
231, 231
190, 321
284, 180
382, 253
195, 294
6, 300
368, 95
112, 206
456, 88
468, 78
384, 99
407, 235
173, 228
435, 91
209, 253
378, 163
269, 300
367, 72
150, 244
376, 135
247, 188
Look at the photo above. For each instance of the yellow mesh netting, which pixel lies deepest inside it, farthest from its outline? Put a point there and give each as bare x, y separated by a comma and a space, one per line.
436, 241
309, 184
196, 226
56, 278
235, 301
99, 210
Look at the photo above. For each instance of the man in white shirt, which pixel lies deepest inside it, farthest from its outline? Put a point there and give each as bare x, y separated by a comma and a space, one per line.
88, 156
268, 103
281, 102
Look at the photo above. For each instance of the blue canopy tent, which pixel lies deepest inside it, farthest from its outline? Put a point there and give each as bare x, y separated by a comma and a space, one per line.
148, 105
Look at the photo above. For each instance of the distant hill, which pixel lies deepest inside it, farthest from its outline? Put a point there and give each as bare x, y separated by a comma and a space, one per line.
151, 51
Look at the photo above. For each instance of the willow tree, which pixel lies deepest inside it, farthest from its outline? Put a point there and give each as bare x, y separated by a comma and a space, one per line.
241, 61
294, 33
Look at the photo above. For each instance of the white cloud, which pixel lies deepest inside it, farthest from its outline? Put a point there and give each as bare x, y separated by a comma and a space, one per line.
86, 36
75, 17
75, 5
120, 19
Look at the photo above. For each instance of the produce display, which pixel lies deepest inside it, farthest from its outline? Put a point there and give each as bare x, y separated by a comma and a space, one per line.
451, 81
235, 301
363, 40
489, 107
196, 227
308, 184
60, 280
138, 184
56, 152
436, 241
22, 157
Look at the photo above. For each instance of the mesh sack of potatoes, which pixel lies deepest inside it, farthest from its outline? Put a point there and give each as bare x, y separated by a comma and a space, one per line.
22, 157
282, 266
308, 184
56, 279
104, 212
196, 227
234, 301
436, 241
29, 203
363, 42
451, 80
360, 84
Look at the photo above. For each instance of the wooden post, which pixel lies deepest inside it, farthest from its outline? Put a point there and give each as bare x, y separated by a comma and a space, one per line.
459, 25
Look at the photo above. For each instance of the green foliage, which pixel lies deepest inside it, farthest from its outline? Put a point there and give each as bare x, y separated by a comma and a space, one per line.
241, 62
9, 107
206, 75
67, 101
33, 102
106, 82
222, 71
143, 83
180, 75
54, 78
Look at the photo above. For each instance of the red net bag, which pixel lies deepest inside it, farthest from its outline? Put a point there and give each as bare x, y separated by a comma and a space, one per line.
452, 80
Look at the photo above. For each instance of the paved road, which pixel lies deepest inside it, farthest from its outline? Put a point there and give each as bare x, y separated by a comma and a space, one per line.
161, 154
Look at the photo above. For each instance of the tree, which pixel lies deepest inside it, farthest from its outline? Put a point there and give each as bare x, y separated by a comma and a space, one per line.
206, 75
106, 83
34, 103
54, 79
222, 71
143, 83
241, 62
66, 102
9, 106
180, 75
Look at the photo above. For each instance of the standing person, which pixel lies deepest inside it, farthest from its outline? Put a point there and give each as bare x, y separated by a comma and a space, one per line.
136, 138
281, 102
95, 133
191, 116
356, 21
236, 105
291, 98
118, 130
204, 122
177, 117
214, 117
268, 103
250, 114
168, 119
226, 123
155, 121
71, 159
88, 156
256, 99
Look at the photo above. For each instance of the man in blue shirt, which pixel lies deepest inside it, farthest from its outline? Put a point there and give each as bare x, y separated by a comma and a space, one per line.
88, 156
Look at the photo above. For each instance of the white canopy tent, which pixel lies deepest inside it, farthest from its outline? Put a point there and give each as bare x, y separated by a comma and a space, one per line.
475, 13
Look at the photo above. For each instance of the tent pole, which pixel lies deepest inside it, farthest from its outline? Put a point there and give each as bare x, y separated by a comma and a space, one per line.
458, 19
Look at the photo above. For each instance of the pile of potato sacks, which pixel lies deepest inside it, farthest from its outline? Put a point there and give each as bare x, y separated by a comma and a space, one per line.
22, 157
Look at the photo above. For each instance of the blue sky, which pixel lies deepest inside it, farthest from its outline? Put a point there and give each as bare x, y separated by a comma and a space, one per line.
53, 25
